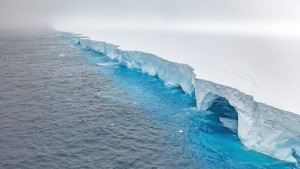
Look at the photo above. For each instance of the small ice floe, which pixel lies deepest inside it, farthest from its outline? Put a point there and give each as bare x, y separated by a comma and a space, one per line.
135, 103
112, 124
61, 55
180, 131
107, 64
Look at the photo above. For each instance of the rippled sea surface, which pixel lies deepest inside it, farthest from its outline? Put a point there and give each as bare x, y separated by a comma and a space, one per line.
61, 107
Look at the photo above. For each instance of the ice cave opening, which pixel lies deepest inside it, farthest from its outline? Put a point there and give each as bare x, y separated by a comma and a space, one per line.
225, 113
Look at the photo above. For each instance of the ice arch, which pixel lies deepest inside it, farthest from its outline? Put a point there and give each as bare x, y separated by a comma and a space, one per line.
260, 127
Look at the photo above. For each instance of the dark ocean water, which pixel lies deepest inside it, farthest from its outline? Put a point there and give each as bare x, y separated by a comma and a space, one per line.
60, 109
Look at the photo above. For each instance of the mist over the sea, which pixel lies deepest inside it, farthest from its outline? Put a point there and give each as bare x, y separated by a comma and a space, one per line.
271, 17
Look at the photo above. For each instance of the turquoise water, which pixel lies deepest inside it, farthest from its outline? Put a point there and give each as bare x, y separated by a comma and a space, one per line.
57, 110
60, 108
200, 132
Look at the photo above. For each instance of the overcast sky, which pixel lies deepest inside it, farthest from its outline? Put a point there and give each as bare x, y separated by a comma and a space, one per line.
194, 10
187, 15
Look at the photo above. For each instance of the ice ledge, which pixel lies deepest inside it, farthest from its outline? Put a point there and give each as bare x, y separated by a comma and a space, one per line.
263, 128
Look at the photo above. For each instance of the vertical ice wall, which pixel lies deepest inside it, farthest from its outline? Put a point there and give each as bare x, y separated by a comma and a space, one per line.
106, 49
171, 73
261, 127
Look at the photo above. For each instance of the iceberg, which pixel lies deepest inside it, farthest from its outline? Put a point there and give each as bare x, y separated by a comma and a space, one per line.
171, 73
103, 48
261, 127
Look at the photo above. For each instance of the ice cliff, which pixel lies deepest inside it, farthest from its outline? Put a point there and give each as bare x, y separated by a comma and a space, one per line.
263, 128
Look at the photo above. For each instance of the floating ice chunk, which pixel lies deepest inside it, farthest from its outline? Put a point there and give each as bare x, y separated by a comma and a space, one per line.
107, 64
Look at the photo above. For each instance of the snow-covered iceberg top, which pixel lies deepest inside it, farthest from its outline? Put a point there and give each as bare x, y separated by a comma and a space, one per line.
263, 128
